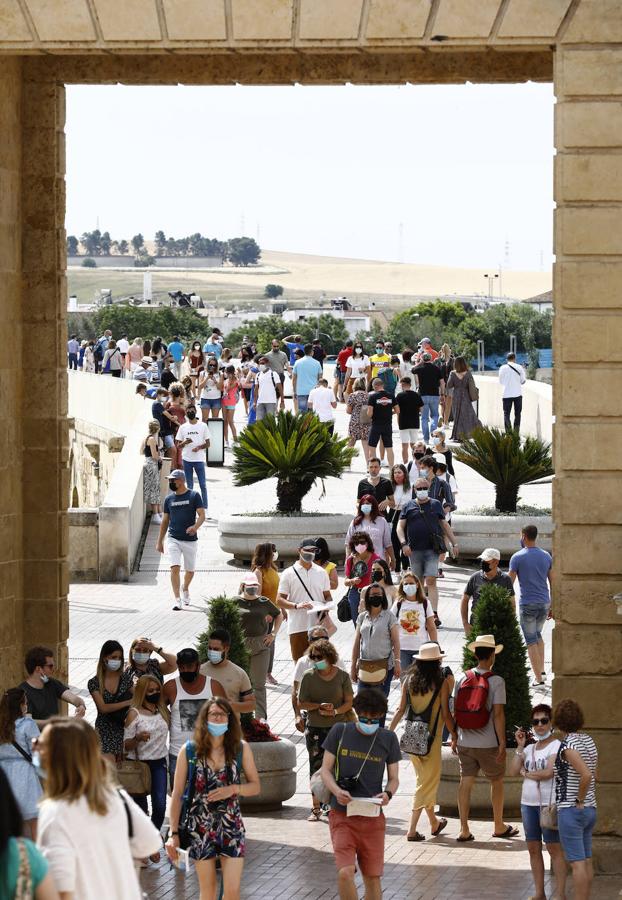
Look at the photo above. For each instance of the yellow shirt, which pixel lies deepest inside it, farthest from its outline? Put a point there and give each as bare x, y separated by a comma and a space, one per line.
270, 584
378, 361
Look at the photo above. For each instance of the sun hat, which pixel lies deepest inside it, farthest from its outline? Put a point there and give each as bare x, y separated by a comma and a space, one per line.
489, 553
429, 652
146, 361
485, 640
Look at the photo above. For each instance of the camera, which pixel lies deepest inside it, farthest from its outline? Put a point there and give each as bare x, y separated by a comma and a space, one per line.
348, 783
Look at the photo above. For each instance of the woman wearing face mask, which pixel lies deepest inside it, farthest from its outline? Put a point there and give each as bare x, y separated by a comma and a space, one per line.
462, 382
195, 363
402, 493
230, 397
425, 692
376, 648
359, 560
380, 574
209, 771
357, 366
257, 612
536, 763
17, 731
326, 694
415, 617
146, 738
439, 446
263, 565
141, 662
176, 407
358, 430
370, 520
152, 450
445, 363
111, 689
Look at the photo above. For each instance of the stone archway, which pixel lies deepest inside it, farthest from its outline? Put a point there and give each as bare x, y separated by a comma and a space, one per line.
577, 43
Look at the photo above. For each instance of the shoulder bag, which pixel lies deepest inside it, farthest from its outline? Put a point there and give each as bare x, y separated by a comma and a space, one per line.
22, 752
438, 540
183, 828
134, 776
417, 738
548, 811
318, 788
472, 388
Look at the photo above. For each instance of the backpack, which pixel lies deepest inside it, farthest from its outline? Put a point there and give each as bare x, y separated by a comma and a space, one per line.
470, 708
98, 352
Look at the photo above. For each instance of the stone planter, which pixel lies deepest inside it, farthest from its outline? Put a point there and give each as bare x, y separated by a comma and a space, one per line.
447, 797
275, 761
238, 535
474, 533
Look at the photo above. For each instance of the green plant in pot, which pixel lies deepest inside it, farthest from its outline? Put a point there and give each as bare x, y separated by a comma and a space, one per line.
500, 457
294, 449
494, 614
223, 612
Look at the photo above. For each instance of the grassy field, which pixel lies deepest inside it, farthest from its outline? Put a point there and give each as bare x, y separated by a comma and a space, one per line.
86, 284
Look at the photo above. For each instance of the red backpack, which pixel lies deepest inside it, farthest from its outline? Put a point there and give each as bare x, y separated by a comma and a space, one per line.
470, 707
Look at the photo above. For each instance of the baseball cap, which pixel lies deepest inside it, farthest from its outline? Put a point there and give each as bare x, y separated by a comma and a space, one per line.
177, 473
250, 578
308, 542
489, 553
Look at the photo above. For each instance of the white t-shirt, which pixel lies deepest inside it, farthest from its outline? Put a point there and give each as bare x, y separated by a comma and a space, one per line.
211, 389
356, 365
316, 581
536, 760
123, 344
412, 619
322, 399
198, 434
512, 377
266, 386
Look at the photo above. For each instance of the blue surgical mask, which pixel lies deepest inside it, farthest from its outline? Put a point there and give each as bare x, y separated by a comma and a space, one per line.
436, 441
321, 665
141, 658
368, 727
409, 589
366, 508
36, 761
522, 542
215, 656
216, 729
113, 664
424, 473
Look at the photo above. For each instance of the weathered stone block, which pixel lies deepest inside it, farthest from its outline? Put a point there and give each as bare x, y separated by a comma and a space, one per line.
578, 384
14, 26
595, 21
589, 72
588, 285
41, 621
397, 18
590, 548
587, 601
581, 231
588, 124
608, 743
597, 338
588, 177
585, 650
324, 19
195, 20
609, 818
531, 18
269, 20
63, 20
572, 491
466, 20
596, 695
129, 20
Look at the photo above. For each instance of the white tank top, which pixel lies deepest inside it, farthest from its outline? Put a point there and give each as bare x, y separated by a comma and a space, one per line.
184, 712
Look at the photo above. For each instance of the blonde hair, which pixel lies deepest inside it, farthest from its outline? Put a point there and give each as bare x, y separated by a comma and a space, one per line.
74, 765
419, 596
140, 690
154, 427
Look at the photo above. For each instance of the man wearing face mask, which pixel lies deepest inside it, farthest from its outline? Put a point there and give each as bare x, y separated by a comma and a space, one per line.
377, 485
268, 391
193, 440
185, 695
233, 678
184, 513
490, 574
422, 522
256, 612
301, 586
42, 691
357, 829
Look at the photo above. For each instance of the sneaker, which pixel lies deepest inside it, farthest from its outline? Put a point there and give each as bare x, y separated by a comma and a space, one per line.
538, 683
543, 676
177, 604
156, 519
227, 445
186, 596
441, 574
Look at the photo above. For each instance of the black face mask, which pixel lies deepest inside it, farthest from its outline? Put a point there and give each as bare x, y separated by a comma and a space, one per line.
375, 601
192, 413
153, 698
376, 576
419, 455
189, 677
486, 567
172, 484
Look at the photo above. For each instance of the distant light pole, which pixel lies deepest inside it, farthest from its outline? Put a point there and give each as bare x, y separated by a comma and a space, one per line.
491, 285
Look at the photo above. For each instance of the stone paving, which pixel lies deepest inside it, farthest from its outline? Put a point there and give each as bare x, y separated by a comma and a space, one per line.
287, 856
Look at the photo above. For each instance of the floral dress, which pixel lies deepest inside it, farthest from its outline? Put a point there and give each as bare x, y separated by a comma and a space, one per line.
217, 828
109, 726
356, 430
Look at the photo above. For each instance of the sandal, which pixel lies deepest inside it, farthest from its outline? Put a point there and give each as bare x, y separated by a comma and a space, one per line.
463, 840
315, 814
509, 832
441, 824
417, 836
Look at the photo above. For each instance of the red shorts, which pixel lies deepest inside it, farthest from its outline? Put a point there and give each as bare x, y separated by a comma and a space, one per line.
358, 838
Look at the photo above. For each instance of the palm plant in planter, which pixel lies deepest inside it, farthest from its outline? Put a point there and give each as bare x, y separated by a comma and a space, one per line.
499, 457
494, 614
294, 449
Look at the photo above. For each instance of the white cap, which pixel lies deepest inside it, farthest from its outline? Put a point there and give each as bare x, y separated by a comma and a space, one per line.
489, 553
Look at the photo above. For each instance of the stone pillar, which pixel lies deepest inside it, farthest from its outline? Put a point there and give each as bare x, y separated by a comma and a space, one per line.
45, 440
10, 372
587, 648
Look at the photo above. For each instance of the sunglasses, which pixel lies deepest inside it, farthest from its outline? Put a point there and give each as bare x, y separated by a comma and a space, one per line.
544, 721
367, 721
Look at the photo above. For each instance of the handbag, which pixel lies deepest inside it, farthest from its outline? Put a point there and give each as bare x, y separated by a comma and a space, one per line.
373, 671
134, 776
438, 540
417, 738
343, 609
472, 389
548, 811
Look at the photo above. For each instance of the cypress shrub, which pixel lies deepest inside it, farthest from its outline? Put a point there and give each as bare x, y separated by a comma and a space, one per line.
223, 612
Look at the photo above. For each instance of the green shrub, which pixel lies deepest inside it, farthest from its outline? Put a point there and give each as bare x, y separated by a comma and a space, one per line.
494, 614
223, 612
89, 263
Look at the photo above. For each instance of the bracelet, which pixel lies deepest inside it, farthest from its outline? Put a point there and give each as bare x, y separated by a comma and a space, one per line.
173, 834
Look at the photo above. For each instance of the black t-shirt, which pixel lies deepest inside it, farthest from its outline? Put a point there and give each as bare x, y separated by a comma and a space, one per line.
382, 403
43, 701
380, 491
429, 377
383, 749
167, 379
409, 403
157, 411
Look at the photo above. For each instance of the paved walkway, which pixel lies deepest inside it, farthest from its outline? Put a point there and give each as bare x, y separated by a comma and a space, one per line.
287, 856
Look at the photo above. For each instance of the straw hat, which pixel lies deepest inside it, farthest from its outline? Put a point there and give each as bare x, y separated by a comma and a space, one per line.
485, 640
429, 652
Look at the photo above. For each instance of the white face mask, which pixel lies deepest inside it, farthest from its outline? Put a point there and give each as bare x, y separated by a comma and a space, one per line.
113, 664
422, 494
44, 678
263, 368
409, 589
358, 351
545, 736
275, 556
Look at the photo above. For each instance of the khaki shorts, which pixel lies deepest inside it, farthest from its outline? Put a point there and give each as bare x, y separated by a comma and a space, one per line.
472, 759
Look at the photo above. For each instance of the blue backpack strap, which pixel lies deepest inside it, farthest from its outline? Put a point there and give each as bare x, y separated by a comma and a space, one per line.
191, 759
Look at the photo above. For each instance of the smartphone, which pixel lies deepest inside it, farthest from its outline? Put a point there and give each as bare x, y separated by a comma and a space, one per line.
183, 861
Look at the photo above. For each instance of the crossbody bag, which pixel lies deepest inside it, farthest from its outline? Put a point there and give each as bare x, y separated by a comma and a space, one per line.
323, 617
438, 540
548, 811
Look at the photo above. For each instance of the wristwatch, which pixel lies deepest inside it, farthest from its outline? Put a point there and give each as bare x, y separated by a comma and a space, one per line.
388, 793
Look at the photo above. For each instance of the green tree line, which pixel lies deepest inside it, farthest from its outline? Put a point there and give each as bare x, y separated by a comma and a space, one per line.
240, 251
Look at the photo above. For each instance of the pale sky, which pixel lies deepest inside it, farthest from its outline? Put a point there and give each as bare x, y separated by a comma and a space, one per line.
325, 170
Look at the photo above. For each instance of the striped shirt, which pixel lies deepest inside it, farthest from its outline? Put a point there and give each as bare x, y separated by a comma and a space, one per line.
567, 778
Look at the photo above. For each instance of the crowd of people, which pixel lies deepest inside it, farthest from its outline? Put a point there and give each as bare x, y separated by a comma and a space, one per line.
171, 720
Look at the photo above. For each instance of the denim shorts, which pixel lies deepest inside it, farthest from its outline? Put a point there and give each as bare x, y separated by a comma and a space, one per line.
532, 619
424, 563
169, 441
210, 404
533, 830
575, 831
